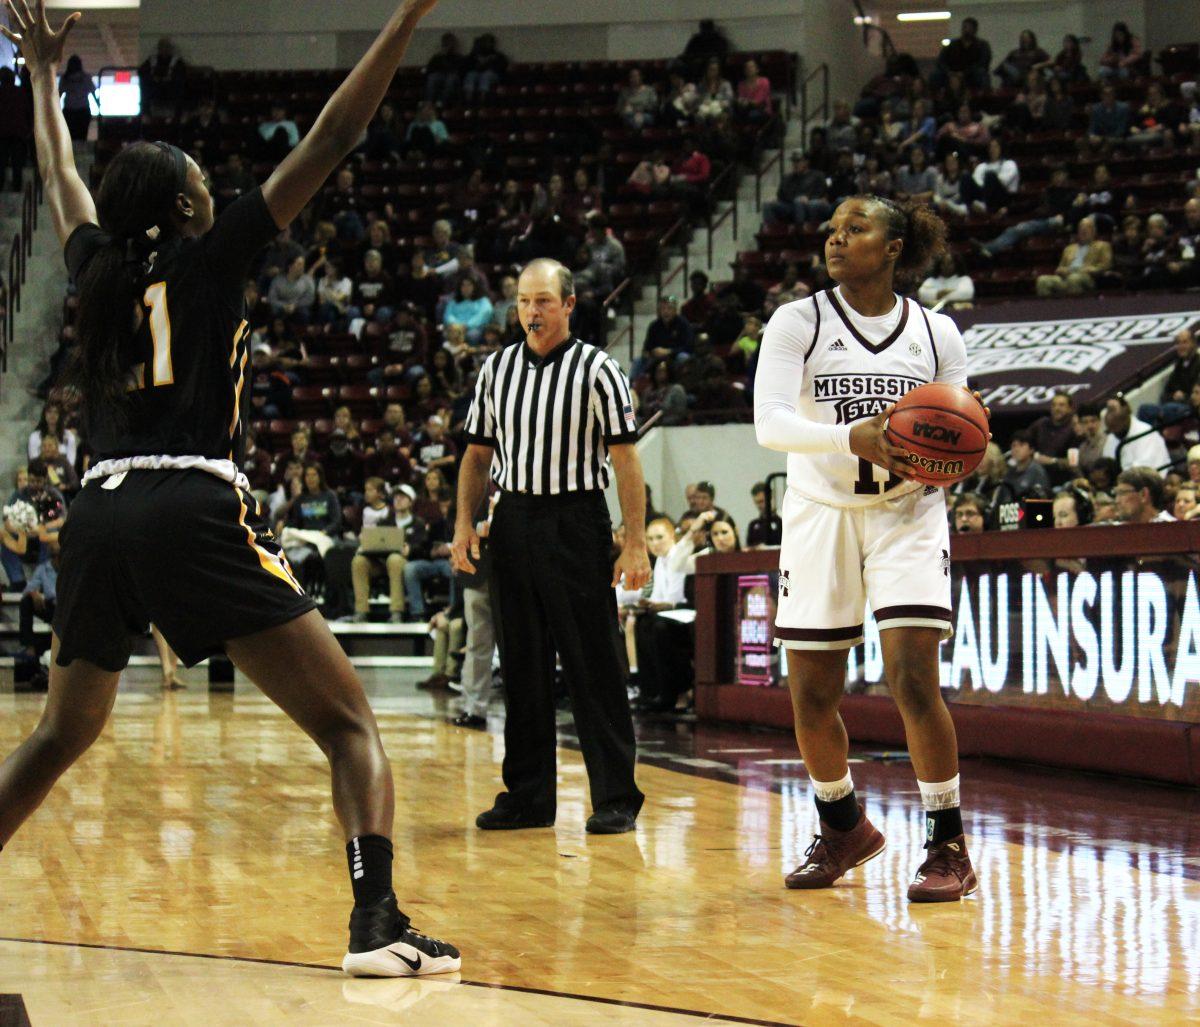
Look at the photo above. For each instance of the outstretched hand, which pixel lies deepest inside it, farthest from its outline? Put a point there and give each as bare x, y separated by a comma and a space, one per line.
869, 441
39, 44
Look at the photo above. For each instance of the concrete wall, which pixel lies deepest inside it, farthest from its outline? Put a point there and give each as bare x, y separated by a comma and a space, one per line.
727, 455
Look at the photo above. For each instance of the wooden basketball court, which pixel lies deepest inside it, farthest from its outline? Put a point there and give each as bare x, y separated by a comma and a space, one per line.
189, 870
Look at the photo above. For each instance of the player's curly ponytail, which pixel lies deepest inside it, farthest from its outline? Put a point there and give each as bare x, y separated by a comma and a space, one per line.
923, 234
135, 196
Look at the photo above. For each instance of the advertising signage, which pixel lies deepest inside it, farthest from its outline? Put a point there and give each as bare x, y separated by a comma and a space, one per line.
1113, 636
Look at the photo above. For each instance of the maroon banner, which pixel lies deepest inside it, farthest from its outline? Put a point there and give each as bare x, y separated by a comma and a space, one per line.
1020, 354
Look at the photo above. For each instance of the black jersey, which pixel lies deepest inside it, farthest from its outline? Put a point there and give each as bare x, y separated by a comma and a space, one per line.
187, 361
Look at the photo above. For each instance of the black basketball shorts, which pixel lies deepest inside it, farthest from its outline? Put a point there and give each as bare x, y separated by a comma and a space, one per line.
183, 550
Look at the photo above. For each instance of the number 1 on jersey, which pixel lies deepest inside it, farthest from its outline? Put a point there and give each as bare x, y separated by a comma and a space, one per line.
867, 485
163, 372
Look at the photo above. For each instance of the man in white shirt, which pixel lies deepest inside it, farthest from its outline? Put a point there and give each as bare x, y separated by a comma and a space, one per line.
1131, 442
1140, 497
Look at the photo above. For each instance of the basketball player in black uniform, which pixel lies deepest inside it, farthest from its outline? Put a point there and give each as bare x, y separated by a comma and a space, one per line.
164, 529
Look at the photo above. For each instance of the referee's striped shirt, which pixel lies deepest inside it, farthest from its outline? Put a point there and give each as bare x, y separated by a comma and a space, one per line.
551, 421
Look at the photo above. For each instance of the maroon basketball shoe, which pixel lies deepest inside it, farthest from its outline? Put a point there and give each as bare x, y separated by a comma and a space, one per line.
834, 852
946, 875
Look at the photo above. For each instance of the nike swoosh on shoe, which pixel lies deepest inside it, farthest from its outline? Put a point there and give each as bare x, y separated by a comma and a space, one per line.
413, 965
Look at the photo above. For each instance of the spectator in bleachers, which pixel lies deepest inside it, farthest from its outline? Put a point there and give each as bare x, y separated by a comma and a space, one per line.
508, 296
1109, 120
386, 461
78, 92
279, 132
293, 293
373, 297
1184, 271
442, 256
334, 292
469, 309
1067, 65
749, 293
434, 449
343, 467
485, 67
270, 388
1124, 56
1141, 497
606, 256
16, 129
426, 133
874, 180
234, 177
753, 104
715, 93
50, 504
433, 487
1102, 474
385, 134
1189, 126
1185, 370
1054, 436
343, 205
681, 99
843, 180
430, 562
995, 181
60, 472
708, 43
701, 302
745, 346
802, 197
1100, 197
967, 55
948, 285
344, 422
1051, 217
15, 532
445, 374
52, 423
842, 130
920, 129
1186, 506
202, 132
443, 72
162, 78
289, 483
315, 512
376, 507
393, 418
368, 565
637, 101
966, 134
301, 451
1067, 504
38, 598
668, 337
1058, 112
455, 341
1015, 68
1155, 121
948, 188
789, 287
1092, 435
767, 528
1025, 477
664, 395
1160, 250
916, 180
379, 237
1131, 441
1081, 262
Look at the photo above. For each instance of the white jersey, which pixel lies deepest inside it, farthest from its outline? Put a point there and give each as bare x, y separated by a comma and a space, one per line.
823, 366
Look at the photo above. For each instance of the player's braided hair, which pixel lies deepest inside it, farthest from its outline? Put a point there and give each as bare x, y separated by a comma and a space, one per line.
922, 232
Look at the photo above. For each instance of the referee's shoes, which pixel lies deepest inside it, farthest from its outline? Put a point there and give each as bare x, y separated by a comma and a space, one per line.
504, 816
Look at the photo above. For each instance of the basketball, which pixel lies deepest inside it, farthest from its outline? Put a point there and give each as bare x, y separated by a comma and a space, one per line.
944, 429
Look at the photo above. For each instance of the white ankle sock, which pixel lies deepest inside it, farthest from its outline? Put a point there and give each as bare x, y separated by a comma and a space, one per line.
831, 791
939, 794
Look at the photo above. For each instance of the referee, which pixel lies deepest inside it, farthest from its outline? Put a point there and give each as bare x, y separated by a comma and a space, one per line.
546, 417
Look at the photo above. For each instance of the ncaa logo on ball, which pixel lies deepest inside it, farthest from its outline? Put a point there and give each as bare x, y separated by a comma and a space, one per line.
936, 432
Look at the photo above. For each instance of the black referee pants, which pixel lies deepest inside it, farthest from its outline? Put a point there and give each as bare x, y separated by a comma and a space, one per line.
551, 585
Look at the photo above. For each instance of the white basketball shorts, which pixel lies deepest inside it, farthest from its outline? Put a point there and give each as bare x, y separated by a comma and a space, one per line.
835, 560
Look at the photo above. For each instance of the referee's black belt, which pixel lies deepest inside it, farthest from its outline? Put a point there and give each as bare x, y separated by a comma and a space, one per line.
530, 500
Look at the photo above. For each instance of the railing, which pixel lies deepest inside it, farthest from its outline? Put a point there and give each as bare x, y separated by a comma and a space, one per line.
712, 223
621, 297
668, 237
18, 262
816, 109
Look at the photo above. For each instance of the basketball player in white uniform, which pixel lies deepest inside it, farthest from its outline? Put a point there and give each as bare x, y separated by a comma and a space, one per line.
857, 530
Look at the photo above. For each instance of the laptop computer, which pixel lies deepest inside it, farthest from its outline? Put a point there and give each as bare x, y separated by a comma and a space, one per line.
382, 540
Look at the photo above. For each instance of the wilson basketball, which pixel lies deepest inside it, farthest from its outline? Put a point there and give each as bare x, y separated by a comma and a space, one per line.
944, 429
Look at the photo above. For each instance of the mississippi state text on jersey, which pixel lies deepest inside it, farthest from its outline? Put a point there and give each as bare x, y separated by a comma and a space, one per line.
831, 366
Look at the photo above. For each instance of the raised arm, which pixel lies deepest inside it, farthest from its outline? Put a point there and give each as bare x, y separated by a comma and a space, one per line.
344, 119
71, 204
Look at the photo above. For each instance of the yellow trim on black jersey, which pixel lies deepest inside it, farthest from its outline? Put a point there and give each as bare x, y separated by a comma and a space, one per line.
272, 564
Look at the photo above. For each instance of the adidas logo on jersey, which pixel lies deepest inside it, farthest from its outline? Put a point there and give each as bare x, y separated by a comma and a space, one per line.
837, 346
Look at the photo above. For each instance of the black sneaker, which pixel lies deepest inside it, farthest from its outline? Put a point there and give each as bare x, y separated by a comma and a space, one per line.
471, 720
611, 821
383, 945
505, 816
